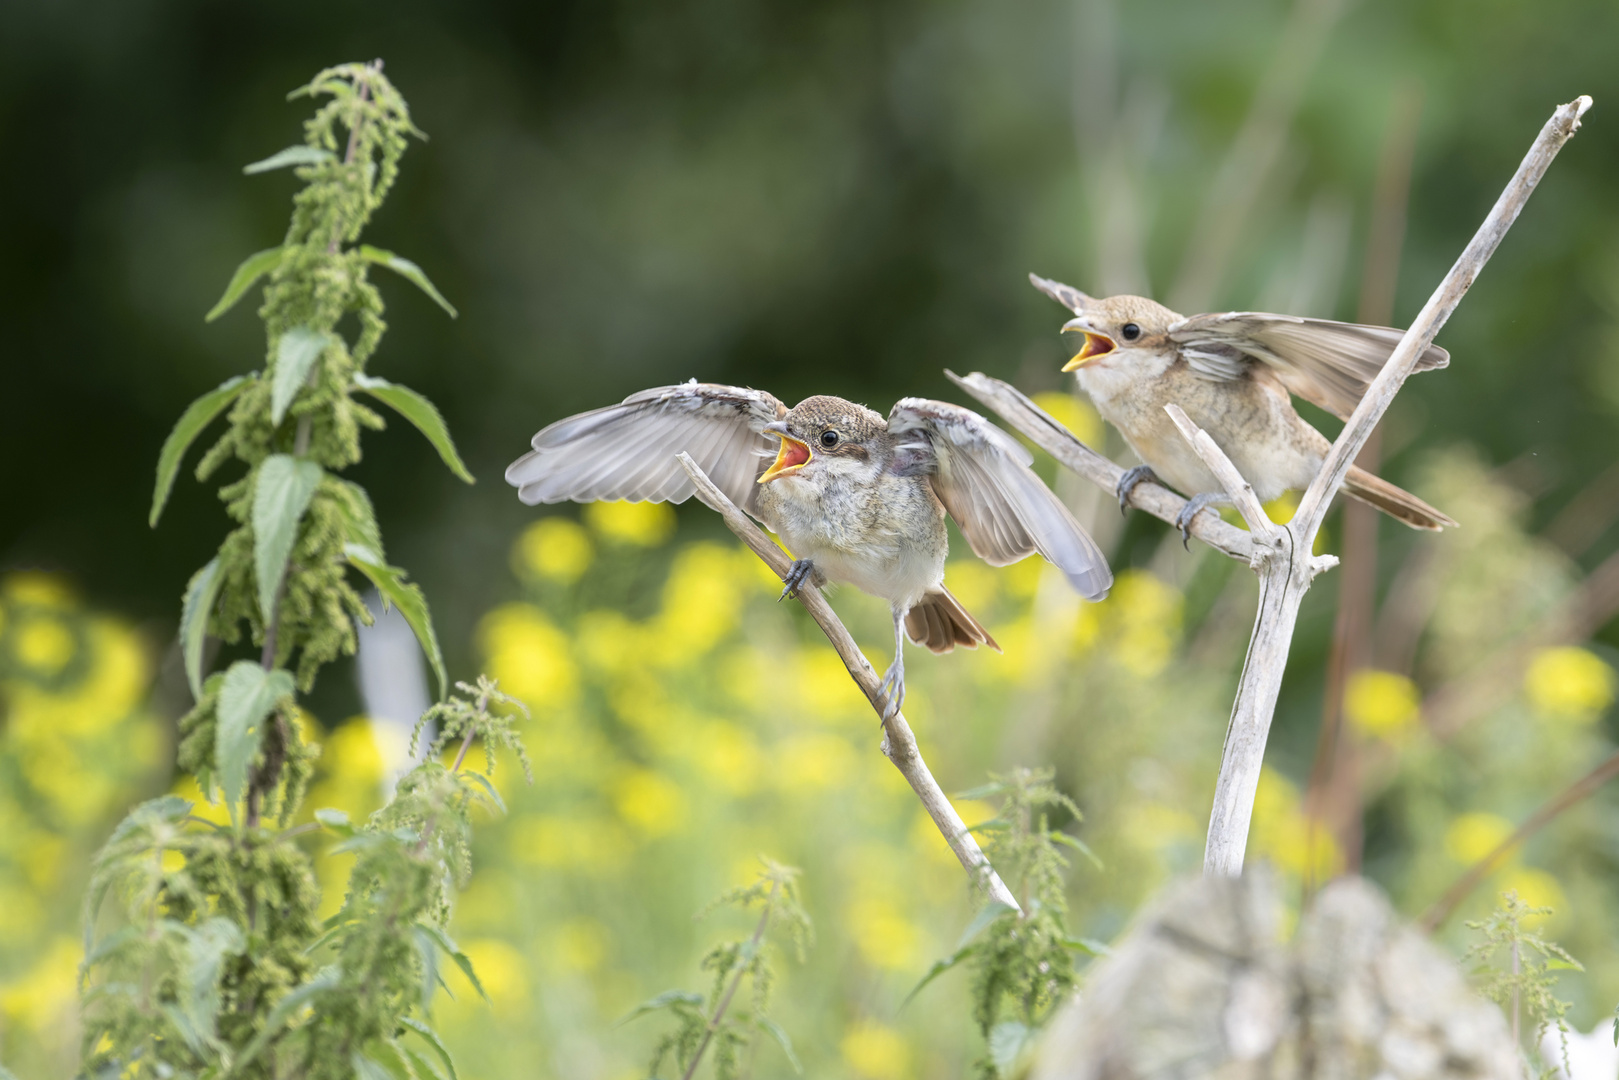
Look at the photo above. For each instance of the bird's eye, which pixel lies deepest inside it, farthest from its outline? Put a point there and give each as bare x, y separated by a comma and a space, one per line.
1130, 331
829, 439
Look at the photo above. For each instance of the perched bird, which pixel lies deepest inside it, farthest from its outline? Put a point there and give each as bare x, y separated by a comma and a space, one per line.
1232, 373
857, 499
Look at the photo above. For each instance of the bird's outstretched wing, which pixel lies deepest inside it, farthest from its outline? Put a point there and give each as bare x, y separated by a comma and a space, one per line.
627, 451
982, 476
1324, 362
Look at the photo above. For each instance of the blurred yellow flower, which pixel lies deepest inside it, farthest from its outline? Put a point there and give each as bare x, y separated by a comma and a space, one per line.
876, 1052
728, 757
581, 944
1382, 704
1022, 578
824, 690
1534, 887
1285, 835
40, 589
1074, 413
813, 761
702, 603
48, 992
1142, 622
1569, 683
351, 770
528, 655
643, 524
587, 844
608, 642
1472, 836
885, 938
502, 971
553, 549
43, 644
649, 801
746, 674
973, 582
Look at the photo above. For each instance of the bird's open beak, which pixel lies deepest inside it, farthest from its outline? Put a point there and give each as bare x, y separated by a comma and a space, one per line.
793, 455
1096, 345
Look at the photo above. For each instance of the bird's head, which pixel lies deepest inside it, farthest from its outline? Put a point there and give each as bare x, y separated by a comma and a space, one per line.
824, 434
1118, 331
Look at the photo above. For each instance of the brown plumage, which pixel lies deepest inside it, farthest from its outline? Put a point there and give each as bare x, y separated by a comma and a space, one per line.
1233, 373
940, 623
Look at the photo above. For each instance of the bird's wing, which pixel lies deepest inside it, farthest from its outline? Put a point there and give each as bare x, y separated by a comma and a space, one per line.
627, 451
982, 476
1325, 362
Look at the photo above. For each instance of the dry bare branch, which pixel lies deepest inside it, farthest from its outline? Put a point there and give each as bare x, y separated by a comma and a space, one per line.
899, 743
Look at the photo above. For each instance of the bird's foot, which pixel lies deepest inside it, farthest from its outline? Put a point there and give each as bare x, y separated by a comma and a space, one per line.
893, 688
797, 574
1128, 482
1196, 504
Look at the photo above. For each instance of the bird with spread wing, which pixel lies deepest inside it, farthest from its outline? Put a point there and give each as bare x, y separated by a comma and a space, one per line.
1233, 373
858, 499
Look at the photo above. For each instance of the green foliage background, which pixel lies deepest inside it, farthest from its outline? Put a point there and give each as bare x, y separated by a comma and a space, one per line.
834, 197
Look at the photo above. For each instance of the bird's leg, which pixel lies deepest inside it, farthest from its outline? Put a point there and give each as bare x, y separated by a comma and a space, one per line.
1128, 482
797, 574
1197, 503
893, 684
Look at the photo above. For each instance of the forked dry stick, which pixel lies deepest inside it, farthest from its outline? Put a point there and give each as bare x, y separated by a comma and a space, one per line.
1282, 554
899, 744
1286, 565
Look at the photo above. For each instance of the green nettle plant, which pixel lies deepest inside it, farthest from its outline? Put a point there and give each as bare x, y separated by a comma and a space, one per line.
715, 1019
1518, 969
1022, 963
217, 964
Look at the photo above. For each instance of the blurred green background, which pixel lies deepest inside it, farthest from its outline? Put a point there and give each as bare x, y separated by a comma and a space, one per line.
839, 198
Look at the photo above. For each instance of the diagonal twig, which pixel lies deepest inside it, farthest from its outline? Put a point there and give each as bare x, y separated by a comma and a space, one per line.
1031, 420
899, 743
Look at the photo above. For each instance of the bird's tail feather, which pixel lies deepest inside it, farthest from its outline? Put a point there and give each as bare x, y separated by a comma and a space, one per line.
1396, 502
939, 622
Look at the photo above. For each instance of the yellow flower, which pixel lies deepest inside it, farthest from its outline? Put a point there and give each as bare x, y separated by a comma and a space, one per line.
608, 642
48, 992
876, 1052
555, 549
1074, 413
1143, 622
973, 582
1470, 837
528, 655
1283, 833
825, 691
1569, 683
581, 944
885, 938
643, 524
41, 590
702, 602
1382, 704
728, 757
43, 644
649, 801
1536, 888
590, 845
814, 761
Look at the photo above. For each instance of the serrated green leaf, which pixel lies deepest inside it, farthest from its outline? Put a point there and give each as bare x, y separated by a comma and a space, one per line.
292, 155
334, 820
253, 267
1078, 845
1007, 1041
285, 486
390, 582
939, 968
369, 1068
661, 1001
199, 605
407, 270
434, 1041
248, 695
295, 354
294, 999
981, 921
488, 786
421, 412
206, 948
198, 415
427, 953
1088, 946
442, 940
774, 1030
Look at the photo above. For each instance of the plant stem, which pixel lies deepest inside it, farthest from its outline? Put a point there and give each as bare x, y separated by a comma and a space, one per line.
736, 981
1442, 909
1517, 1037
